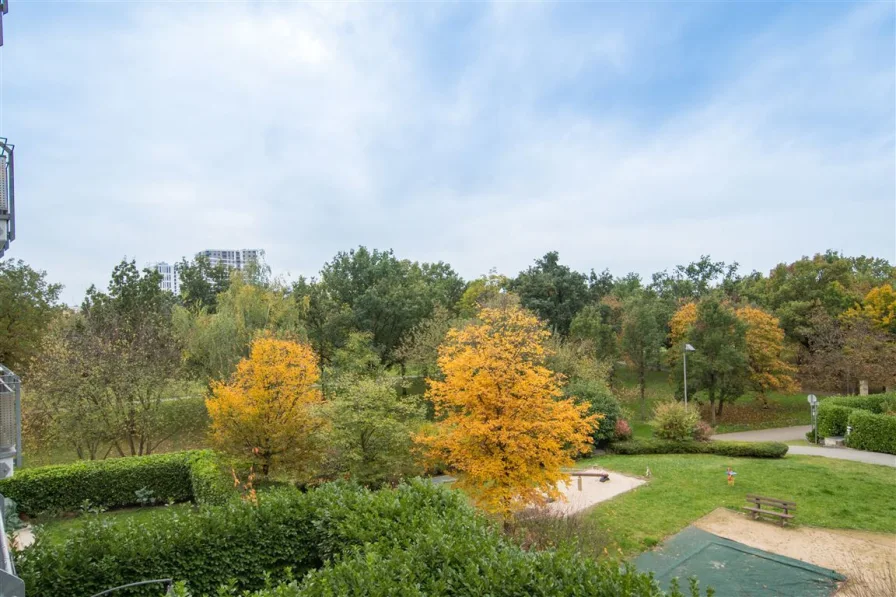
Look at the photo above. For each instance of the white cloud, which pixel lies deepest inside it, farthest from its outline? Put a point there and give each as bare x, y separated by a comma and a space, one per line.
442, 132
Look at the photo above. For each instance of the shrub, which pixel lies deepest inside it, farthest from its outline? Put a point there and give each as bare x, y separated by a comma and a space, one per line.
876, 433
832, 419
623, 430
703, 431
117, 483
674, 422
876, 403
416, 540
810, 436
600, 402
740, 449
207, 482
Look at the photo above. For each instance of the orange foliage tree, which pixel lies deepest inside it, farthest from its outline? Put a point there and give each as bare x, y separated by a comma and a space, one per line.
769, 371
765, 346
504, 426
269, 409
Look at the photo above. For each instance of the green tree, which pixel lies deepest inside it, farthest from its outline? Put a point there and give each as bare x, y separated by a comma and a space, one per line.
830, 281
387, 296
720, 366
420, 347
131, 331
372, 425
109, 375
643, 333
201, 283
599, 324
69, 390
554, 292
27, 305
695, 280
326, 321
215, 342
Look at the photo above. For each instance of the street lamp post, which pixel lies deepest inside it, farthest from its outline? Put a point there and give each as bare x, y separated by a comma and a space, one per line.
687, 348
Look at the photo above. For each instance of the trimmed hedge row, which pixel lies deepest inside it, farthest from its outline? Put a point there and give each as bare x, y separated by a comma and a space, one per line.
419, 539
722, 448
176, 477
871, 429
876, 433
876, 403
832, 419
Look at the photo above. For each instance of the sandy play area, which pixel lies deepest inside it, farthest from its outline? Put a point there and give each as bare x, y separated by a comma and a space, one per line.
874, 554
592, 492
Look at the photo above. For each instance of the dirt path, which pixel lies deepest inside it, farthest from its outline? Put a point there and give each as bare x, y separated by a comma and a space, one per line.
852, 553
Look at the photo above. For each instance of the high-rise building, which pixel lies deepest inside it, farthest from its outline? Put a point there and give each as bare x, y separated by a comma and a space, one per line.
235, 258
170, 281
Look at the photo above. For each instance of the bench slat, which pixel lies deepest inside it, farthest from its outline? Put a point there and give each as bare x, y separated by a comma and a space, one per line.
769, 512
764, 500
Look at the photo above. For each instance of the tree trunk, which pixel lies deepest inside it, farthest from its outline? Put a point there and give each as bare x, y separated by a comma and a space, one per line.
863, 387
642, 382
719, 412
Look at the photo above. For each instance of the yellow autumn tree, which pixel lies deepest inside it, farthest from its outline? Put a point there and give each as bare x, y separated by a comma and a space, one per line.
769, 371
681, 322
879, 307
268, 411
503, 424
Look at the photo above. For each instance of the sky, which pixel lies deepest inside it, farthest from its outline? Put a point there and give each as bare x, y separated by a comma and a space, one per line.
630, 136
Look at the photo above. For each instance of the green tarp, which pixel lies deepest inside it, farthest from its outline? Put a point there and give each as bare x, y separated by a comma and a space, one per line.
734, 569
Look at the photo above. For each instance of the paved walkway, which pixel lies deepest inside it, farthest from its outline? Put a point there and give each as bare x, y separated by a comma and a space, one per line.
786, 434
780, 434
845, 454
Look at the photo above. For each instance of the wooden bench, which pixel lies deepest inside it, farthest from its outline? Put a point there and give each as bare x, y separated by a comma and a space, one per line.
773, 507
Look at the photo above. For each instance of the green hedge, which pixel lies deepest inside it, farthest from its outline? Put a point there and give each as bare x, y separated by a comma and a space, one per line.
177, 477
876, 433
832, 419
207, 483
419, 539
871, 429
722, 448
876, 403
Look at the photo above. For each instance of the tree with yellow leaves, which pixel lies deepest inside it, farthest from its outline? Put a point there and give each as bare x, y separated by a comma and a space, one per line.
504, 425
878, 307
767, 369
769, 372
269, 411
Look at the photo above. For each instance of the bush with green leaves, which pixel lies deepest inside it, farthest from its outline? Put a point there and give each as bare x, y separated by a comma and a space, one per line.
721, 448
119, 482
867, 415
339, 539
674, 422
832, 419
873, 432
600, 401
876, 403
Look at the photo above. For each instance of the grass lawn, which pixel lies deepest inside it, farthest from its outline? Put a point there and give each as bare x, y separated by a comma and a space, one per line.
781, 410
682, 488
56, 529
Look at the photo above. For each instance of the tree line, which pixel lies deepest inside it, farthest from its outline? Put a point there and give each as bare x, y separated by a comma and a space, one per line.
101, 377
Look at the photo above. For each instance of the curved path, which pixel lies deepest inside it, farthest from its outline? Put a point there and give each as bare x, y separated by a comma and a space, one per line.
780, 434
785, 434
